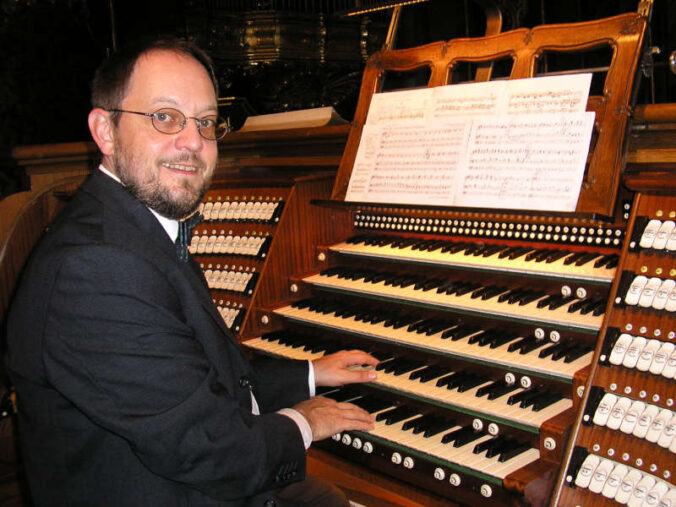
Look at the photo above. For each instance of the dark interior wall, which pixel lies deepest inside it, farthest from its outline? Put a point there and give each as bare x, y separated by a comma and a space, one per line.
49, 49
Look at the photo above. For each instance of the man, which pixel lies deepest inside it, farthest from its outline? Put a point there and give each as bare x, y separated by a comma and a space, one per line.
131, 391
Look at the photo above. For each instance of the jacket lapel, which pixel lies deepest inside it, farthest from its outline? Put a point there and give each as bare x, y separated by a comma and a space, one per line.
133, 225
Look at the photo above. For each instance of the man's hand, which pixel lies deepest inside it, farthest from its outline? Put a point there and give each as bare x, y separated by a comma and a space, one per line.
328, 417
344, 367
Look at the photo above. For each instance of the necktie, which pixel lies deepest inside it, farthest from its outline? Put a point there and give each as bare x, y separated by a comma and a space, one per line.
185, 228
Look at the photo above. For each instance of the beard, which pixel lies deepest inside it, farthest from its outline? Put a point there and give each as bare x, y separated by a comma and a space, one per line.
171, 202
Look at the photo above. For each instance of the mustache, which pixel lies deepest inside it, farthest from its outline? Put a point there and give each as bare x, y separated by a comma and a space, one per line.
187, 158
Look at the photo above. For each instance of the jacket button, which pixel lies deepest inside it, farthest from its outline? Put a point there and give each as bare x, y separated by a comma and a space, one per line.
244, 382
270, 503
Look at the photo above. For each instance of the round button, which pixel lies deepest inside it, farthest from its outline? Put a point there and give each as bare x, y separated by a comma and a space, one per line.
368, 447
454, 479
408, 462
396, 458
439, 474
347, 439
486, 491
336, 437
356, 443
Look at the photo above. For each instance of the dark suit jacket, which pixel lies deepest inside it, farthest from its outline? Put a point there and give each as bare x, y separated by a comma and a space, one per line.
131, 391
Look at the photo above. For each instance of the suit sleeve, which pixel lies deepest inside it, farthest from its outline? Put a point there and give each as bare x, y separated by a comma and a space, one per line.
118, 346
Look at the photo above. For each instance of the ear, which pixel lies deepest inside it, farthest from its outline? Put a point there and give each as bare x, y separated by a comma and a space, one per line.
102, 130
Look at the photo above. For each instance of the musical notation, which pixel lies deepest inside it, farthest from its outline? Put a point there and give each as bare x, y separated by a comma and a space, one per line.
519, 144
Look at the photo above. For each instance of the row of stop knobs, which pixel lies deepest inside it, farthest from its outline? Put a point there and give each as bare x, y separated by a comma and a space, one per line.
407, 461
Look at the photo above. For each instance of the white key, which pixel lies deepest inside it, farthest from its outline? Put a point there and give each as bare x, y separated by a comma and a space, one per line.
627, 486
667, 436
584, 475
603, 410
654, 496
631, 417
634, 352
614, 480
647, 355
659, 423
634, 292
662, 294
600, 475
649, 233
645, 420
663, 234
617, 413
641, 490
661, 358
671, 302
620, 349
647, 296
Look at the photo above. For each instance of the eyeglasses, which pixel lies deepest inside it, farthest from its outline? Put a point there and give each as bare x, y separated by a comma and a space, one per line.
172, 121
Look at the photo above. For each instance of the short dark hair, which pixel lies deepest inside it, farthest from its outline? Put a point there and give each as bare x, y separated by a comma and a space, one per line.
111, 79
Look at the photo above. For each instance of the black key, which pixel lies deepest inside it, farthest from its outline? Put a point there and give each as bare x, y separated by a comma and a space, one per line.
560, 301
561, 352
516, 398
395, 415
556, 255
488, 444
467, 288
371, 403
460, 332
507, 296
574, 307
586, 258
529, 296
460, 435
447, 286
604, 260
548, 351
546, 301
576, 353
429, 373
519, 252
519, 449
599, 308
492, 250
546, 400
528, 399
573, 258
501, 339
494, 291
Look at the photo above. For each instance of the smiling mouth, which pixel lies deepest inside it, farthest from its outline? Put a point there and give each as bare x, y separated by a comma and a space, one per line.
181, 168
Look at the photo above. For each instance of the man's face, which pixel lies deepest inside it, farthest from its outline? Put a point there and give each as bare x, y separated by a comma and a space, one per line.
169, 173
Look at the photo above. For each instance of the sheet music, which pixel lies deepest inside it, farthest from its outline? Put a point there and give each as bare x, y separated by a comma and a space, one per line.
519, 144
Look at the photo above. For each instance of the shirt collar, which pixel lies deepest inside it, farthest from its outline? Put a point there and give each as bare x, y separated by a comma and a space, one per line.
169, 225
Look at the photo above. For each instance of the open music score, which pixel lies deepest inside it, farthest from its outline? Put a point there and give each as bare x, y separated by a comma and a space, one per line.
519, 144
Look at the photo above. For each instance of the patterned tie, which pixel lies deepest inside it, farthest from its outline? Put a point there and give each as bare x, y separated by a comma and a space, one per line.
185, 228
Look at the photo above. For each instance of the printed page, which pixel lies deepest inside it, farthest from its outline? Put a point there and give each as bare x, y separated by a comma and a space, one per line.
438, 146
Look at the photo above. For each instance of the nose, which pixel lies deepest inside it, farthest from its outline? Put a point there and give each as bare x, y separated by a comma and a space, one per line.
189, 138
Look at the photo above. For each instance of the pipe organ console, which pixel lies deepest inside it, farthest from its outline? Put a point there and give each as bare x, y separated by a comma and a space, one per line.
523, 356
511, 343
